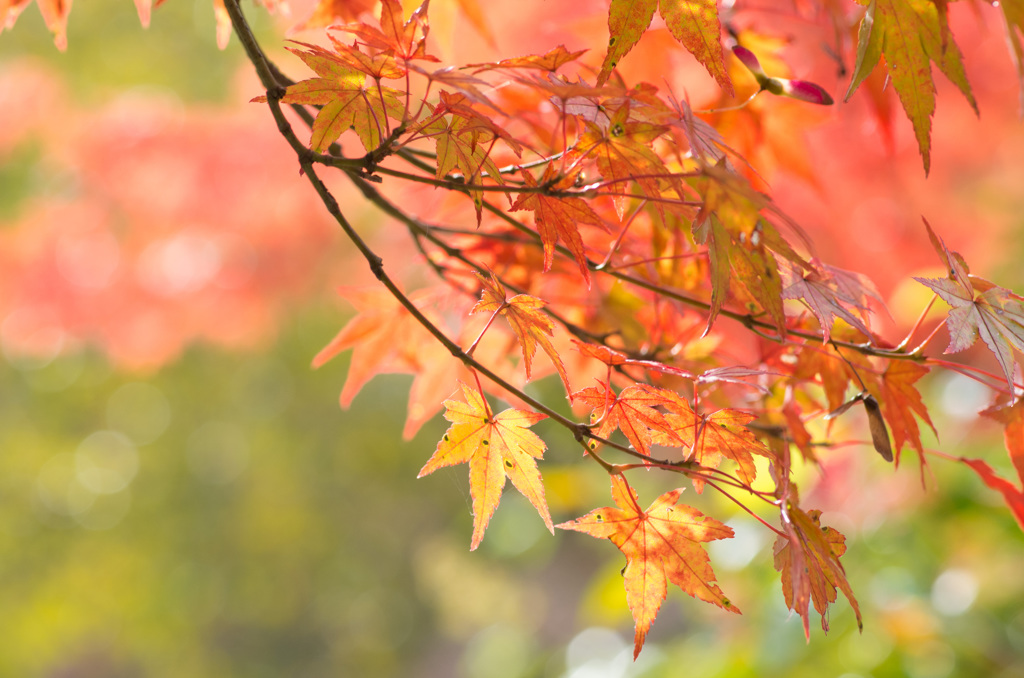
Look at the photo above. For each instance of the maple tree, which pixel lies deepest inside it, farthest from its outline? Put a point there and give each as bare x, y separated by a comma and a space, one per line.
637, 243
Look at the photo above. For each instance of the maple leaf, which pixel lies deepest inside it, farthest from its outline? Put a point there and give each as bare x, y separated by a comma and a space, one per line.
346, 102
827, 295
694, 23
552, 60
900, 401
978, 308
496, 447
661, 545
711, 437
1013, 495
531, 326
464, 142
385, 337
1012, 419
911, 34
1013, 18
328, 12
407, 39
558, 219
808, 559
622, 150
632, 412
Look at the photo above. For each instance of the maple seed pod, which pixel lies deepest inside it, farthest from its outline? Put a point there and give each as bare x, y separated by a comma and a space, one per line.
879, 432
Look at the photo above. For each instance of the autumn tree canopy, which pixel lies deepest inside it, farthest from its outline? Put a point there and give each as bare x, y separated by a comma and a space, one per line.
700, 328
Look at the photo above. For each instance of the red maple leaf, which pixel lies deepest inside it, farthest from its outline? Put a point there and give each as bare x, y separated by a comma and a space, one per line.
711, 437
558, 218
900, 401
631, 411
496, 446
808, 559
661, 545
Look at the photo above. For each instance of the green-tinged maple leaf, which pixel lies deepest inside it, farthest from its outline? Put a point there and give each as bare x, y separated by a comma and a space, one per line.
1012, 495
1012, 419
496, 446
558, 219
531, 325
911, 34
631, 411
694, 23
711, 437
900, 401
661, 545
756, 269
552, 60
978, 308
345, 99
465, 138
808, 559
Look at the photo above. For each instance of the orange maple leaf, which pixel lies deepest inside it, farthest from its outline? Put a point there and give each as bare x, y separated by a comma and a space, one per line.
55, 15
532, 327
661, 545
1012, 494
495, 446
900, 401
631, 411
550, 61
558, 219
711, 437
385, 337
623, 153
1012, 418
407, 39
808, 559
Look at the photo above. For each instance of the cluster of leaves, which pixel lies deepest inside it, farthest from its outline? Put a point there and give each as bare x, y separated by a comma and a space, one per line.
639, 255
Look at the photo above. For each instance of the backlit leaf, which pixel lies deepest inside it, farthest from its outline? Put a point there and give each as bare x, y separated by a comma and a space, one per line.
808, 559
662, 545
531, 325
910, 34
495, 447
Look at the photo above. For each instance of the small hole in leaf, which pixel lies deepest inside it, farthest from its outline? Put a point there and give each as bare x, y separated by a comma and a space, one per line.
446, 437
611, 41
509, 464
486, 442
599, 518
617, 130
